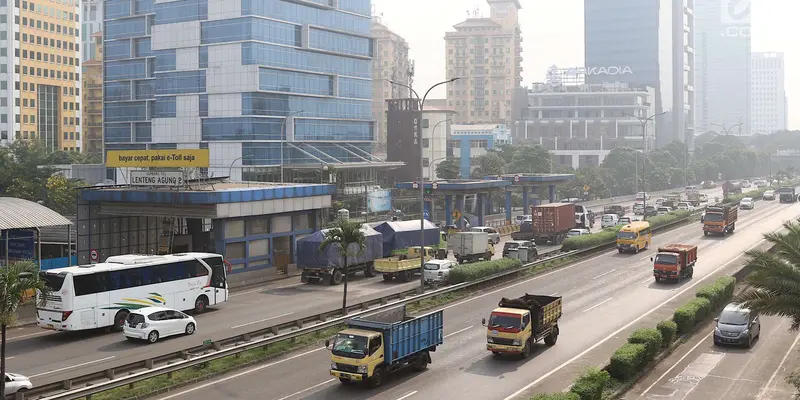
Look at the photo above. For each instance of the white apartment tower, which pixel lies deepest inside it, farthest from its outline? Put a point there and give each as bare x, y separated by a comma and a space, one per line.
91, 23
486, 55
768, 93
391, 63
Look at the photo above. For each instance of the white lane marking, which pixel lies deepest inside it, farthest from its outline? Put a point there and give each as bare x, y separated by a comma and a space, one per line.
29, 335
263, 288
629, 324
9, 358
261, 320
71, 367
249, 371
765, 389
599, 304
646, 257
648, 280
699, 342
307, 389
604, 274
407, 396
459, 331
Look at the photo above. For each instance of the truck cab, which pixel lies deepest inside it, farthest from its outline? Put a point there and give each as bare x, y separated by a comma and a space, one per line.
674, 262
517, 324
355, 353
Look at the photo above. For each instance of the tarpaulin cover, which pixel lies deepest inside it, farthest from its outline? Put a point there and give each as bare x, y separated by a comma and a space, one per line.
309, 255
404, 234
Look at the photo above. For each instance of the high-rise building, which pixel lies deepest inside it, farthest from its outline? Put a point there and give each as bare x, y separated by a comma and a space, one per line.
92, 83
276, 90
391, 63
91, 23
722, 65
40, 73
646, 43
768, 113
486, 55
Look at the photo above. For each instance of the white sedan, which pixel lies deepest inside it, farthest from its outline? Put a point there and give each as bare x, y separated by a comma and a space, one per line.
577, 232
16, 383
747, 203
153, 323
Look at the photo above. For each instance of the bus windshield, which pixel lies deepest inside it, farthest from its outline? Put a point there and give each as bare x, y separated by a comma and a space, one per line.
626, 235
53, 281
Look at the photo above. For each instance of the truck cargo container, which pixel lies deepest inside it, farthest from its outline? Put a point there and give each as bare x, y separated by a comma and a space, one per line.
787, 194
674, 262
318, 265
372, 347
399, 235
470, 246
720, 219
550, 223
518, 324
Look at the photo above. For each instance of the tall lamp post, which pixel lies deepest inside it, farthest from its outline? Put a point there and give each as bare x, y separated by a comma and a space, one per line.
727, 130
644, 122
422, 179
433, 152
283, 137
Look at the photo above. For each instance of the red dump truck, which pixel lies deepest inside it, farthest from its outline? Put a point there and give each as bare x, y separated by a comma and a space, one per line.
720, 219
674, 262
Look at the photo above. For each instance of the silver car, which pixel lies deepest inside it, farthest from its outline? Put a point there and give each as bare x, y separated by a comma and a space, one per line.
494, 236
17, 383
438, 271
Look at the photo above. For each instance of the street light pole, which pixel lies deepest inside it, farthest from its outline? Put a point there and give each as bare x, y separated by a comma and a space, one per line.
644, 122
433, 153
422, 179
283, 138
727, 130
230, 169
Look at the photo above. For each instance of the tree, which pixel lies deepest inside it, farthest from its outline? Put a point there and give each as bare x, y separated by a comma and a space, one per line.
449, 169
349, 239
774, 284
17, 281
61, 194
529, 159
490, 163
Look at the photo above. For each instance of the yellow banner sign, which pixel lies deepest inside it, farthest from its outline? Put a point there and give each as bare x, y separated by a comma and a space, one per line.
185, 158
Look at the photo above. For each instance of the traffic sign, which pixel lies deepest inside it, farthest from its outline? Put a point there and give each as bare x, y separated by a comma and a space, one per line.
456, 214
94, 256
429, 198
585, 188
426, 215
415, 185
434, 185
517, 178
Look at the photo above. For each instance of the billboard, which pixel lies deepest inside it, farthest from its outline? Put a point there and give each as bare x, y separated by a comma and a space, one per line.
21, 244
185, 158
403, 135
379, 200
156, 178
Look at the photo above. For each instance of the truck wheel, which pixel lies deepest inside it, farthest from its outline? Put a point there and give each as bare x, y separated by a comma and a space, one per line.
336, 277
691, 273
377, 378
421, 363
552, 337
405, 276
387, 277
526, 351
369, 270
705, 233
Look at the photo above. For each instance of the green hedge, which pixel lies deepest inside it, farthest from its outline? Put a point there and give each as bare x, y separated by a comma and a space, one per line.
661, 220
627, 360
719, 292
590, 384
556, 396
651, 338
756, 194
691, 313
609, 235
667, 329
474, 271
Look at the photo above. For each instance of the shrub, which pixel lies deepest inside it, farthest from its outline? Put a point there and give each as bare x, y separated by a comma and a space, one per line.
714, 293
482, 269
650, 337
728, 284
667, 329
590, 384
703, 307
627, 360
556, 396
662, 220
605, 236
684, 318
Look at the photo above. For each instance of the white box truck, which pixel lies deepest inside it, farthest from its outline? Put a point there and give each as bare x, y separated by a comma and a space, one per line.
470, 246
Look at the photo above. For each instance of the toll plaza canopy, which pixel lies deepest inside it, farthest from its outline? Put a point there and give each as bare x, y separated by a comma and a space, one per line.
20, 221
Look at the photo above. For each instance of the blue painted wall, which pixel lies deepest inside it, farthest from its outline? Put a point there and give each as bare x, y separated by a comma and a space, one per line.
465, 151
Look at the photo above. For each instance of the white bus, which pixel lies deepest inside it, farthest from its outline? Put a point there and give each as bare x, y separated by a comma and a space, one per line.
101, 295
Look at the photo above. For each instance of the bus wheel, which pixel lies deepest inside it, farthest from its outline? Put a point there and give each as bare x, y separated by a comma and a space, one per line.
119, 320
200, 304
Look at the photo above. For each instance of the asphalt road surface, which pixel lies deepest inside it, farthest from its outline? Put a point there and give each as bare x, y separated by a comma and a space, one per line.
699, 370
47, 356
603, 296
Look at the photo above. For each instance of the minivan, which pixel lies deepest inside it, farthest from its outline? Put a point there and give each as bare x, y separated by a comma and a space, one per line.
737, 325
609, 220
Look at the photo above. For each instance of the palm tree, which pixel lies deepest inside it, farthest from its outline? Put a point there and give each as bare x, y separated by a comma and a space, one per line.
349, 239
18, 281
775, 278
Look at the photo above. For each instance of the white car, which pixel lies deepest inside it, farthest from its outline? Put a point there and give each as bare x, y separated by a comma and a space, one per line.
663, 210
747, 203
684, 206
153, 323
494, 236
768, 195
438, 270
609, 220
642, 196
638, 208
624, 221
16, 383
577, 232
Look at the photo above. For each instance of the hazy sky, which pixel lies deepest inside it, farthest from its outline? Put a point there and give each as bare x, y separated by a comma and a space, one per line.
552, 32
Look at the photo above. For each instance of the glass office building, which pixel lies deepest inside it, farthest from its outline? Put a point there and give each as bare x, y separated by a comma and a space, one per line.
259, 83
646, 43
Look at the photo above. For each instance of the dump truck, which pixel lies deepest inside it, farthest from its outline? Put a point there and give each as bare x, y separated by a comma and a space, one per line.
470, 246
551, 222
327, 265
674, 262
374, 346
787, 194
519, 323
403, 266
720, 219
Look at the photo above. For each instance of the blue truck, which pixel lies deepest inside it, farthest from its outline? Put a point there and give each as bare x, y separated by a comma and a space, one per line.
372, 347
318, 265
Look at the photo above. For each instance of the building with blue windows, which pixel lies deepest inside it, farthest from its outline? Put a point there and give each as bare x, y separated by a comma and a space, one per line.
260, 83
472, 141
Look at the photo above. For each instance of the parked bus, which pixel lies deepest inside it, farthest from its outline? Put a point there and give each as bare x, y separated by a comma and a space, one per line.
101, 295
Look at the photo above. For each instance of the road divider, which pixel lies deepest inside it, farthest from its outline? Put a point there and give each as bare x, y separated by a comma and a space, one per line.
474, 271
609, 235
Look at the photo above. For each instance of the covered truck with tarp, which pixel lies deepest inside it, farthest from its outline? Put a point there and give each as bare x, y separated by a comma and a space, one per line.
400, 235
318, 265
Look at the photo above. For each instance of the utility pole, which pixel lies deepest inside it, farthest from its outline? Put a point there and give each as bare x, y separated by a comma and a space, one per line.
644, 122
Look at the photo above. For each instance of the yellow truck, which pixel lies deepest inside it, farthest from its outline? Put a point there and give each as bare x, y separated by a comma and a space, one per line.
402, 266
517, 324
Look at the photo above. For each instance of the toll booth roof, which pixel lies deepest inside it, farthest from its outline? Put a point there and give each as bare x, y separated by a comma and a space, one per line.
458, 185
534, 178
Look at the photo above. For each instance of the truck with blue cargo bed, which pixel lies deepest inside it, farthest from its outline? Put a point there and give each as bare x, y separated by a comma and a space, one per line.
327, 265
405, 235
372, 347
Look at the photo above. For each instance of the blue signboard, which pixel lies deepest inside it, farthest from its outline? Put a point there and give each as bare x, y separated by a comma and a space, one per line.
379, 200
20, 244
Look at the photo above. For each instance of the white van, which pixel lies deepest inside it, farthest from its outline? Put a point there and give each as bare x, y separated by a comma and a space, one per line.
609, 220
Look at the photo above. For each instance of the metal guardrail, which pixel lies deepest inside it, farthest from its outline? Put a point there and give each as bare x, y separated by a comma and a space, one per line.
175, 361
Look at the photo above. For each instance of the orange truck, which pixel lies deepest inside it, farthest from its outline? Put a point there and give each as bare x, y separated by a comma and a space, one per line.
674, 262
720, 219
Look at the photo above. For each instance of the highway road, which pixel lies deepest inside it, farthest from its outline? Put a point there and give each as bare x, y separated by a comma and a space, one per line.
699, 370
603, 297
47, 356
